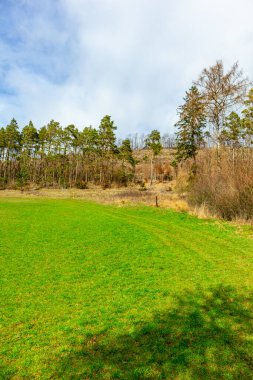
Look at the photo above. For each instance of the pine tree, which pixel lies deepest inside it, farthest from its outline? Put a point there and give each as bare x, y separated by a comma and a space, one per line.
2, 143
107, 149
247, 120
232, 131
29, 139
190, 126
153, 142
232, 134
12, 136
126, 152
127, 161
70, 139
106, 136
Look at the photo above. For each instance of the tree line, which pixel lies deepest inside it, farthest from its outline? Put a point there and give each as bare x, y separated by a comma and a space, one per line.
212, 146
67, 157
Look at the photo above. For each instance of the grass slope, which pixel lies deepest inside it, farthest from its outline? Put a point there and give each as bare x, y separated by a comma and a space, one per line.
99, 292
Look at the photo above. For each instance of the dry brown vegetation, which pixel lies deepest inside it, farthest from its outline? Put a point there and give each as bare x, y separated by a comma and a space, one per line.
133, 195
214, 191
225, 190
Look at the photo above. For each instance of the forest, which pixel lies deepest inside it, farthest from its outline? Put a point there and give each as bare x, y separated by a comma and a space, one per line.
210, 153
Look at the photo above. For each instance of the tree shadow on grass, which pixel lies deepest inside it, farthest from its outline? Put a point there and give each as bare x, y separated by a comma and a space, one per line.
6, 373
205, 336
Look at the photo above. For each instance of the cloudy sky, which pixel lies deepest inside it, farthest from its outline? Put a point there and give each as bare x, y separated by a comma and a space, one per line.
76, 60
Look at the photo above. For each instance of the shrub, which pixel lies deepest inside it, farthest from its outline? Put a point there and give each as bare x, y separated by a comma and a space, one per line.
81, 185
227, 190
3, 183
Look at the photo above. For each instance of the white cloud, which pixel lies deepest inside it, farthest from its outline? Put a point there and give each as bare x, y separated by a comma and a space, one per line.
131, 59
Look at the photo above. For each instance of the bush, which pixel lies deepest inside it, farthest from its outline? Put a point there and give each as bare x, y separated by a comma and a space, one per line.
81, 185
227, 190
3, 183
142, 187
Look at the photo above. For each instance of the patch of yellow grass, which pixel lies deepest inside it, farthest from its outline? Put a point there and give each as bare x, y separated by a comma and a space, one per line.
202, 212
117, 196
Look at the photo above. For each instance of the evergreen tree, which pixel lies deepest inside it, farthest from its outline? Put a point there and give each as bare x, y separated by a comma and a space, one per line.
71, 137
190, 126
42, 140
247, 120
107, 149
126, 152
127, 161
2, 143
153, 142
88, 145
12, 136
106, 136
29, 139
232, 131
54, 137
88, 141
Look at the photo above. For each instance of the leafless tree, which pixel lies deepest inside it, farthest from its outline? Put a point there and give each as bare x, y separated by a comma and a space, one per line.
223, 92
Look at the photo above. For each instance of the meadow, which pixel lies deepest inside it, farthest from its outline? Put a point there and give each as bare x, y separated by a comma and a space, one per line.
92, 291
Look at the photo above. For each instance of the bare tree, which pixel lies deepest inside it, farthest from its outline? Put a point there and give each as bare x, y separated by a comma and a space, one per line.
222, 93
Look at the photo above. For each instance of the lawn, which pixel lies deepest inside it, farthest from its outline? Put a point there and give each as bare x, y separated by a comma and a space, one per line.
90, 291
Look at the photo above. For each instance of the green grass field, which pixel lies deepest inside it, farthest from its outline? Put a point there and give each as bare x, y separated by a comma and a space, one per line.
99, 292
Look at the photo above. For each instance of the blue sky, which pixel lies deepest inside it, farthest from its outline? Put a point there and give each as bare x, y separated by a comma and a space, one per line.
76, 60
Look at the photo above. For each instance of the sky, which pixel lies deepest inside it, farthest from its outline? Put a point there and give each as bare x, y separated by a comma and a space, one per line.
75, 61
